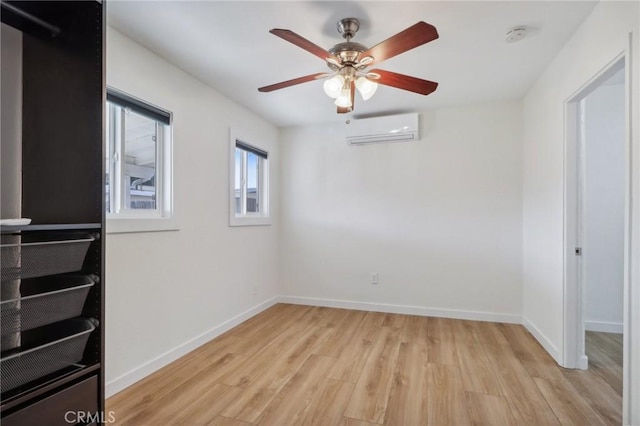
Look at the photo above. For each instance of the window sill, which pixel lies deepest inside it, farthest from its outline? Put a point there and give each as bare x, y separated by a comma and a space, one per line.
249, 221
129, 225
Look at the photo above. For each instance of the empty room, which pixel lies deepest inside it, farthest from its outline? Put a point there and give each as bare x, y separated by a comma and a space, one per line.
322, 213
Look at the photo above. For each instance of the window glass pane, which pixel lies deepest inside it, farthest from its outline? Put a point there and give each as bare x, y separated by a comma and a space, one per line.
253, 183
238, 180
140, 155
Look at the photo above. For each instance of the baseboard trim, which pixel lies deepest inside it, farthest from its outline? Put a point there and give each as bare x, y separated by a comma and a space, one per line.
604, 327
542, 339
132, 376
583, 362
403, 309
138, 373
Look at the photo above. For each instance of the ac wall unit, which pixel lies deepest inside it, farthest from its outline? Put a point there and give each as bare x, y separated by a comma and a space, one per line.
392, 128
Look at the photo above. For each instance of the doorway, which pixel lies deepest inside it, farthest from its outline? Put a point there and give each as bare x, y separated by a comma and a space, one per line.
597, 225
601, 224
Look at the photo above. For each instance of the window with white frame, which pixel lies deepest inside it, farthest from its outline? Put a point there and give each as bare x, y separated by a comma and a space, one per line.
249, 198
138, 159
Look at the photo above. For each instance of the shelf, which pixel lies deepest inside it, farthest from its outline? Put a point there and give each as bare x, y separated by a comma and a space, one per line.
43, 253
7, 229
44, 385
45, 350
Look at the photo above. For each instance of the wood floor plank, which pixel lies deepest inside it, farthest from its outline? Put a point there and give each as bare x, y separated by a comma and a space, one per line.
355, 422
567, 404
351, 361
530, 353
225, 421
204, 408
488, 410
475, 369
408, 397
602, 397
343, 333
441, 344
165, 379
604, 360
327, 406
490, 333
445, 396
465, 332
609, 373
322, 367
180, 399
609, 344
394, 321
288, 337
275, 373
274, 331
286, 408
416, 330
371, 394
145, 394
527, 404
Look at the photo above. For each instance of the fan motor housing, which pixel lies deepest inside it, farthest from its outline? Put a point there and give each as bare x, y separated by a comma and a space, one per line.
347, 51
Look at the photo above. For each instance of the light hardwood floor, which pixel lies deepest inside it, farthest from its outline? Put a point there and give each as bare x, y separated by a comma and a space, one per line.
604, 351
302, 365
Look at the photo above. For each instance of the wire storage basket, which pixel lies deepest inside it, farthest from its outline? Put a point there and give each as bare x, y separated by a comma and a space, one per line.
44, 301
41, 254
45, 350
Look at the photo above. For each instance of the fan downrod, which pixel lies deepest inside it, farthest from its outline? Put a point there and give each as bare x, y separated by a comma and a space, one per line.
348, 27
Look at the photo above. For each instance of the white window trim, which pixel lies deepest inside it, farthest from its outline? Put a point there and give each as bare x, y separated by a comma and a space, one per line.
258, 219
163, 218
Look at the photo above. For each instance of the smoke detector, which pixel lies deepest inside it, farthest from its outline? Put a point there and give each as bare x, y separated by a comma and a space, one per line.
515, 34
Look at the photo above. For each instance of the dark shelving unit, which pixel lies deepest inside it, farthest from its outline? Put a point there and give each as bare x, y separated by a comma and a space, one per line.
62, 191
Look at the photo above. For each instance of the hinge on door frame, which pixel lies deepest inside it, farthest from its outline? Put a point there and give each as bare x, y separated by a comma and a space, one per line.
578, 251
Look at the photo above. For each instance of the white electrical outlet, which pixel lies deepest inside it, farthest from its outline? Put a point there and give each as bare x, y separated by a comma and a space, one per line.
374, 278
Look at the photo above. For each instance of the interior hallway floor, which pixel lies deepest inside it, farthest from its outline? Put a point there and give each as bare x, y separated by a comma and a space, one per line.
604, 351
303, 365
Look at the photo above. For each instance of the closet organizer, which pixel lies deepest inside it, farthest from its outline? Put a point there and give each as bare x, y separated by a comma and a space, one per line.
52, 270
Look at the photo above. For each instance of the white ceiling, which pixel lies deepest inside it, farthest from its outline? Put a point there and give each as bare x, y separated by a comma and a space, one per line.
227, 45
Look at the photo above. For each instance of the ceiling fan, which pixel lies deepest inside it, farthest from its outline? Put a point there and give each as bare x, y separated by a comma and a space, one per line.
349, 61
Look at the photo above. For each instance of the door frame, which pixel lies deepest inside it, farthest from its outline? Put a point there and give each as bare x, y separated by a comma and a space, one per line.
573, 355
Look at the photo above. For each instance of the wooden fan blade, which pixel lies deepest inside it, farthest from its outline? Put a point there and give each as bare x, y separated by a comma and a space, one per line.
293, 82
414, 36
405, 82
303, 43
344, 110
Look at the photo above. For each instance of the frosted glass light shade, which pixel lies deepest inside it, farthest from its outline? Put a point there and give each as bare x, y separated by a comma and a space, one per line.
344, 100
366, 87
333, 86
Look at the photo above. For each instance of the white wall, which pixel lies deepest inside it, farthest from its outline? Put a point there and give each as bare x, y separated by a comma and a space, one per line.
604, 201
166, 288
11, 147
438, 219
603, 35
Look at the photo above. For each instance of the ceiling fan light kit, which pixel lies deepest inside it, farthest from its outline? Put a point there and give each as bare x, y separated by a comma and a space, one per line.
349, 62
366, 87
333, 86
344, 100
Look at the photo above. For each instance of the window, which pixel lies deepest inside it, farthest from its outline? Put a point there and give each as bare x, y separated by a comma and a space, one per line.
138, 164
249, 200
